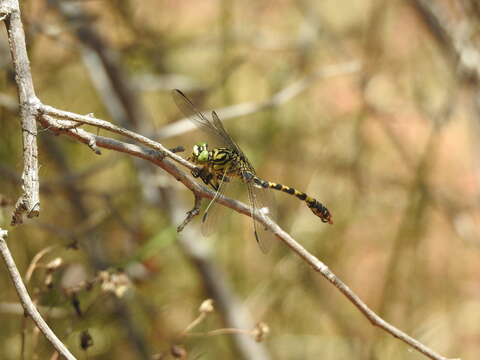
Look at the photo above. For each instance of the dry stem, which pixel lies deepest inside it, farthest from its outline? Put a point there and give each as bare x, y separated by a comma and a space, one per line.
26, 301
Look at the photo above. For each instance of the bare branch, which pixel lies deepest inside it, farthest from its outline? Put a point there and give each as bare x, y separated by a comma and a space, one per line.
29, 202
58, 126
90, 120
156, 157
26, 301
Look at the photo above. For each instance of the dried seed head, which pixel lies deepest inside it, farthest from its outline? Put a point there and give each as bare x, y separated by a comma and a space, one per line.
206, 306
54, 264
49, 281
178, 352
116, 283
261, 331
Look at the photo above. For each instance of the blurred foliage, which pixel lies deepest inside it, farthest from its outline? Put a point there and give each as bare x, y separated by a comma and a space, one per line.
392, 150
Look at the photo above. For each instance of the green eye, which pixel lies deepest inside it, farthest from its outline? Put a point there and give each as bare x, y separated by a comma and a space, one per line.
203, 156
200, 152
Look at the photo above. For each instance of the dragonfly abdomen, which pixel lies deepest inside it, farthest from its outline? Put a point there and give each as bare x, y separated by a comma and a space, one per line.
314, 205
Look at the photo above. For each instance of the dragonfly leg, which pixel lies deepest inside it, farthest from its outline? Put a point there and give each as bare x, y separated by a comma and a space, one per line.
223, 178
217, 185
204, 174
209, 178
196, 172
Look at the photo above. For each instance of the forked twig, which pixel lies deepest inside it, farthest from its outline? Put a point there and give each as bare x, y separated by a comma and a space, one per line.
192, 213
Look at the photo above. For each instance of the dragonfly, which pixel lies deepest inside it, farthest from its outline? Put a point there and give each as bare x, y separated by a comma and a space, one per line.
216, 167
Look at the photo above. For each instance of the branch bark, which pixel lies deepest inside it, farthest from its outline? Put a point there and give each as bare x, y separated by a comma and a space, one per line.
29, 202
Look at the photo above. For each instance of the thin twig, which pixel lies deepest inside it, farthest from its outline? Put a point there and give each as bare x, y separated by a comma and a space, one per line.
35, 260
90, 120
26, 301
58, 125
194, 323
192, 213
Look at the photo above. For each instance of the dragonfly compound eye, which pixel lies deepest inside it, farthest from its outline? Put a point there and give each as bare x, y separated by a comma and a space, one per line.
203, 156
200, 152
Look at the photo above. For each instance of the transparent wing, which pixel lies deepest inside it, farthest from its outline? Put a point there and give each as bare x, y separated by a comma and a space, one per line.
227, 138
199, 119
231, 143
262, 200
213, 210
265, 201
214, 127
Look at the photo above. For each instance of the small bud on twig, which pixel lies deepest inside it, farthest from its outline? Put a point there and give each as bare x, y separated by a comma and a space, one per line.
206, 306
260, 332
178, 352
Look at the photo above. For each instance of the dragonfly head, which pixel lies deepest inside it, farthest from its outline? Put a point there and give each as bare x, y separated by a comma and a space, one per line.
200, 153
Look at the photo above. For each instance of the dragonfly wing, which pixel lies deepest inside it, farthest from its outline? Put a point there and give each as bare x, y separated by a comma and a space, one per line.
197, 117
212, 213
229, 140
260, 199
265, 201
262, 235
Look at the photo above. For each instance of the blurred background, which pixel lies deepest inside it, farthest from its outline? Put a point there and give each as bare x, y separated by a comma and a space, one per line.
372, 107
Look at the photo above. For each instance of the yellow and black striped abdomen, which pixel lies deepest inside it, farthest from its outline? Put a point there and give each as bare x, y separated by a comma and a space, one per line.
224, 163
314, 205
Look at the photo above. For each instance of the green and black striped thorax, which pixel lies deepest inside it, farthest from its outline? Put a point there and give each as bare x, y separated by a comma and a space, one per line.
221, 161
